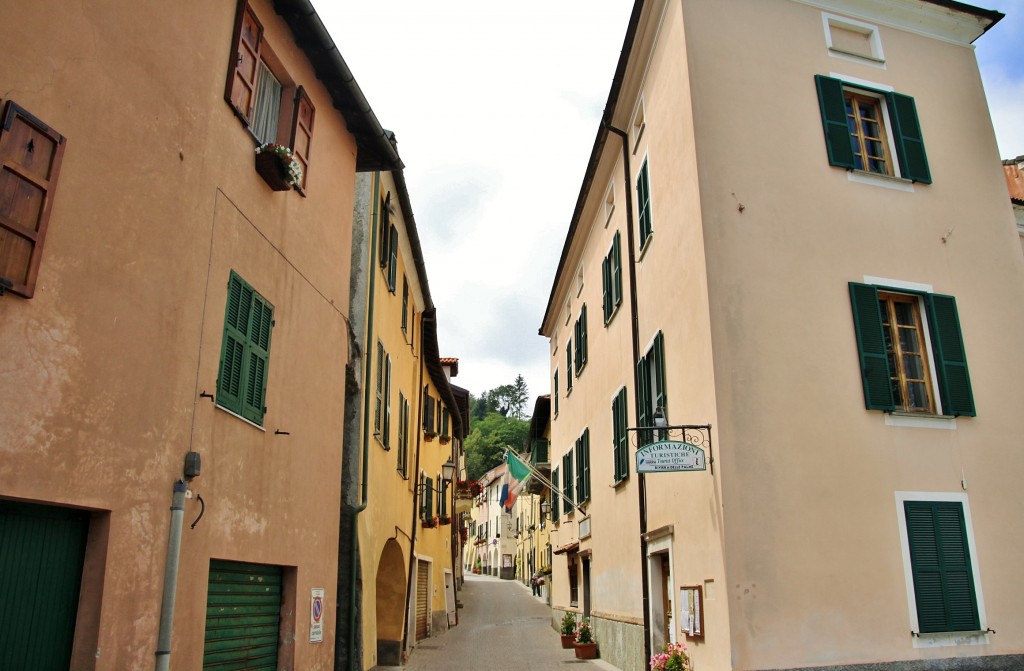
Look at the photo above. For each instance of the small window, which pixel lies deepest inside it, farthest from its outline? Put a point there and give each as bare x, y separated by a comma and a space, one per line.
611, 279
30, 155
245, 351
574, 583
382, 415
583, 466
581, 340
567, 487
639, 124
567, 309
652, 396
620, 440
850, 38
393, 260
428, 412
872, 130
643, 204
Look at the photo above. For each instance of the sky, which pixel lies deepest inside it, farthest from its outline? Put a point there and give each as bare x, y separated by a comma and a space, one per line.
495, 106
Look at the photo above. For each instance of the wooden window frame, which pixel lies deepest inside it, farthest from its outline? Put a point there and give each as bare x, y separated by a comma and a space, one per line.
41, 181
899, 377
859, 139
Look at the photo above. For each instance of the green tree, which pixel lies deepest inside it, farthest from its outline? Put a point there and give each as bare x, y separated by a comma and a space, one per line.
486, 442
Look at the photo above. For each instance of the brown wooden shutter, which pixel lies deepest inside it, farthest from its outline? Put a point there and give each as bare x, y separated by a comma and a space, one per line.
245, 60
302, 131
30, 158
422, 600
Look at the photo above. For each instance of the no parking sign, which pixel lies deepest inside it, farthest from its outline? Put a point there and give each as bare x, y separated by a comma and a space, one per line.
316, 615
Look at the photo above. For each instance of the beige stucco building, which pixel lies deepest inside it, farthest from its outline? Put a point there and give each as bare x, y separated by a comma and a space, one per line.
793, 236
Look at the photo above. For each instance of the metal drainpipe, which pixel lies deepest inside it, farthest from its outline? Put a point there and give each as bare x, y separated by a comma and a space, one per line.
354, 559
415, 495
635, 327
163, 645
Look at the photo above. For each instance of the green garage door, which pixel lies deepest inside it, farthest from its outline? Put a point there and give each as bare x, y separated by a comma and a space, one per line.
243, 614
41, 553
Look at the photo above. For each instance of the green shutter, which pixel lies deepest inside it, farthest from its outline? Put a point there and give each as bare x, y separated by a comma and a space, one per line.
555, 495
393, 263
243, 615
556, 394
387, 403
643, 400
583, 336
832, 104
874, 362
567, 487
236, 324
258, 353
385, 230
620, 442
643, 200
606, 287
568, 366
585, 477
950, 357
909, 140
616, 270
941, 567
661, 393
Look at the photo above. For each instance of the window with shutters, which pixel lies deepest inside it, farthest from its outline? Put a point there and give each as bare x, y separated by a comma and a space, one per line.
405, 305
912, 355
393, 259
611, 279
574, 583
580, 333
937, 537
245, 352
267, 101
620, 440
427, 500
445, 420
652, 396
403, 435
643, 204
428, 413
568, 496
583, 466
568, 367
382, 407
555, 495
30, 159
872, 130
555, 394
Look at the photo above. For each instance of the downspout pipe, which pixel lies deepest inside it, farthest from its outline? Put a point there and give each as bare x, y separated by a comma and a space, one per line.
634, 324
163, 645
353, 605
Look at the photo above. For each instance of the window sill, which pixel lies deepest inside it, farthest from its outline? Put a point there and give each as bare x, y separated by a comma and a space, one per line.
884, 181
235, 414
856, 58
920, 421
618, 484
946, 639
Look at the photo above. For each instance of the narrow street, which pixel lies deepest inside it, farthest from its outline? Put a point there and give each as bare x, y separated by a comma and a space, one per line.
501, 626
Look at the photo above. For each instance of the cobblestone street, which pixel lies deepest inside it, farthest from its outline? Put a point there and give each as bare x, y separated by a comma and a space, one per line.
501, 627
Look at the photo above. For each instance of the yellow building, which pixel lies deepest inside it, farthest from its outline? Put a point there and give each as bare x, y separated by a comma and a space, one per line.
792, 237
175, 331
406, 421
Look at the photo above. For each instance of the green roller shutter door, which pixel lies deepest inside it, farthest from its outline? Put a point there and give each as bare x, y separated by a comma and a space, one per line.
243, 615
42, 549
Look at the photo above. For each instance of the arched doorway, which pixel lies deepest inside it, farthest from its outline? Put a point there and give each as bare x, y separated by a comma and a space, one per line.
390, 604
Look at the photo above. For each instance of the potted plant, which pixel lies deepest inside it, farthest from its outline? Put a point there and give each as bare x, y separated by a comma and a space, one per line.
673, 657
278, 166
586, 645
568, 630
443, 519
429, 522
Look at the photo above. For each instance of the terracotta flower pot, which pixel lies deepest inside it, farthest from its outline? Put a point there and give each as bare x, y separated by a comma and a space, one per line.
586, 651
568, 640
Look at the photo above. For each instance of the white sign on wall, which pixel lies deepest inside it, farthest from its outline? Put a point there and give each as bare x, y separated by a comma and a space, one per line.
670, 455
316, 615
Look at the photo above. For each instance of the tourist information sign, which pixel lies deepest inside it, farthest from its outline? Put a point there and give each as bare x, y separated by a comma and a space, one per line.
670, 455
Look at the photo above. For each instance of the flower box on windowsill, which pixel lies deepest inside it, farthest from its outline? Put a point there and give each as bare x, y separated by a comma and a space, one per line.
278, 167
428, 436
443, 440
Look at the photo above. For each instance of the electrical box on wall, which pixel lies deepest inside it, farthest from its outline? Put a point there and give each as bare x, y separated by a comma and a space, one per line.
193, 464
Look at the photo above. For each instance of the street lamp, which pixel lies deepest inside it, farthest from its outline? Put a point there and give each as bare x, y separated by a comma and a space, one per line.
447, 471
545, 508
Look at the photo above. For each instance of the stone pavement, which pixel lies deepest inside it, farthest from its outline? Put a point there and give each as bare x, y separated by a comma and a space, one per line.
502, 627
